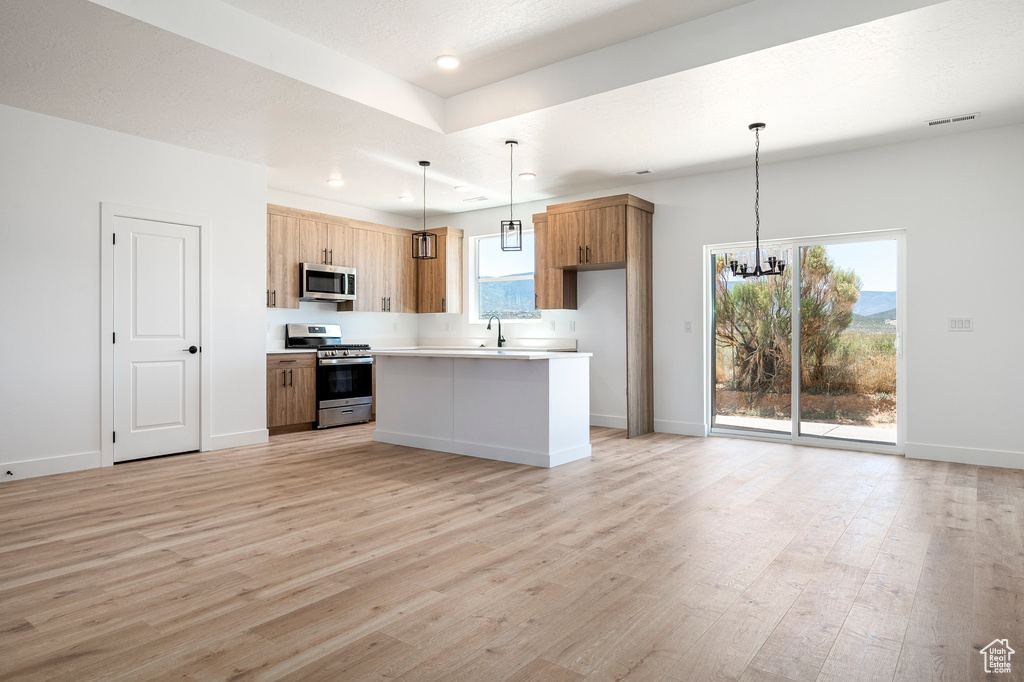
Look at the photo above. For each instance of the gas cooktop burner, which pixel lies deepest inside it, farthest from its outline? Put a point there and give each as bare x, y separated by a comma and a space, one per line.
344, 346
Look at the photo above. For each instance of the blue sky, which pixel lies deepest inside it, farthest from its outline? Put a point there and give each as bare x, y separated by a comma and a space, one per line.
874, 262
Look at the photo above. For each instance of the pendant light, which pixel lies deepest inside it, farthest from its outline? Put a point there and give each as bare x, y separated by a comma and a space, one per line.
424, 244
511, 230
745, 269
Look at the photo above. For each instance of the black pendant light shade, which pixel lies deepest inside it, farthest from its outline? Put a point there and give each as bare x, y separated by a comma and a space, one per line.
511, 229
744, 268
424, 244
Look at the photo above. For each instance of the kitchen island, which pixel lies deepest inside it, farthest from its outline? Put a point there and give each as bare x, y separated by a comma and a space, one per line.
523, 406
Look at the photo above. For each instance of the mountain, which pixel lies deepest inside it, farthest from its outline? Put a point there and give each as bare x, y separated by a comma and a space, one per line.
872, 302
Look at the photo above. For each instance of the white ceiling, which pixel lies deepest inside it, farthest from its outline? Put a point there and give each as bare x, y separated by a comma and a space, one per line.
313, 88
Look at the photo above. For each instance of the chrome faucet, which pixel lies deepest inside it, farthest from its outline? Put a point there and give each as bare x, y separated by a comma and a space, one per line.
501, 339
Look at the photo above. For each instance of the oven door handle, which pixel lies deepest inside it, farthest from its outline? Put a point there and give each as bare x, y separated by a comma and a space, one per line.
345, 361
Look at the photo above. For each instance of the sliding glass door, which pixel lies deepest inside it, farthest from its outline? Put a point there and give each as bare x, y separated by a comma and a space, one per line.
823, 366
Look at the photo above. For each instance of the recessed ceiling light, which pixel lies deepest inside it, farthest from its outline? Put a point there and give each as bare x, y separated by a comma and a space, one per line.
335, 182
447, 61
527, 176
405, 198
462, 188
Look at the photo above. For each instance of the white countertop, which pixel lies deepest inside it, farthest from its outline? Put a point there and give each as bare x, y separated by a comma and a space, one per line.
275, 351
482, 354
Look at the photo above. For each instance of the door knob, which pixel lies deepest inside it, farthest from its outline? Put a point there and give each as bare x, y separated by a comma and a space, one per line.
191, 349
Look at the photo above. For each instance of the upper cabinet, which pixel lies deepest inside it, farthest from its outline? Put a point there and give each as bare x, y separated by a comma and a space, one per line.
440, 279
554, 289
588, 234
282, 261
325, 243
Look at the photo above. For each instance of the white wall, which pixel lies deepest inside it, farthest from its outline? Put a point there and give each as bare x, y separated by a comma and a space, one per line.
53, 176
377, 329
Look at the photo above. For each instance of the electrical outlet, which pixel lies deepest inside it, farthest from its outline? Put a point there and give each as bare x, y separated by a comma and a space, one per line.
552, 323
394, 327
961, 324
687, 326
268, 326
572, 325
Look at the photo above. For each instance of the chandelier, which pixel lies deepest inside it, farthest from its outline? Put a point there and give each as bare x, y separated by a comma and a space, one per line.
744, 268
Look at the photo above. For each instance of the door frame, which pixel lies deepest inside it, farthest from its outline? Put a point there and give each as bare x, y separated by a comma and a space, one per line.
108, 213
794, 244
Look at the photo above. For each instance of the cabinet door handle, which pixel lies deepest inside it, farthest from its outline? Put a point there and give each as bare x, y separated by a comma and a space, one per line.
332, 256
325, 257
442, 304
284, 377
588, 254
382, 303
535, 301
275, 299
290, 377
389, 304
581, 254
268, 298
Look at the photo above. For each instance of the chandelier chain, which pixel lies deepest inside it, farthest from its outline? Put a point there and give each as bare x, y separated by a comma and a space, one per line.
757, 188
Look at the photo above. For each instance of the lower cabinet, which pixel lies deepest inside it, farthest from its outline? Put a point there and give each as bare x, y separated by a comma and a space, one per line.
291, 390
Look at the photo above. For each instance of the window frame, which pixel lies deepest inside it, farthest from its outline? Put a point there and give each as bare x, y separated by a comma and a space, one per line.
473, 298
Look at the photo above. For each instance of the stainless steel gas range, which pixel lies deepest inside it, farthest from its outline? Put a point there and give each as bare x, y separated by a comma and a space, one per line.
344, 374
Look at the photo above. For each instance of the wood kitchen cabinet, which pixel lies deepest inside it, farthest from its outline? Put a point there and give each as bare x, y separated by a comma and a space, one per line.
588, 238
554, 289
388, 278
605, 233
440, 279
282, 261
385, 270
291, 391
400, 274
325, 243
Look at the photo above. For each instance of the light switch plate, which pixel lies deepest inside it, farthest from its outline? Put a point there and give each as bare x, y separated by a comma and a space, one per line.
687, 326
552, 323
572, 325
960, 324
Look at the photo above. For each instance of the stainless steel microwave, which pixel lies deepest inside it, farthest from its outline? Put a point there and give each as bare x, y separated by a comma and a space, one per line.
327, 282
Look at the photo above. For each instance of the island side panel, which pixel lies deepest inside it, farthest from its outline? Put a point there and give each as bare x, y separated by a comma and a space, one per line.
415, 399
569, 400
501, 409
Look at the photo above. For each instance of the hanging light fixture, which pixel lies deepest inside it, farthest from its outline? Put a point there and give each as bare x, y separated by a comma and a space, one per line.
742, 267
511, 230
424, 244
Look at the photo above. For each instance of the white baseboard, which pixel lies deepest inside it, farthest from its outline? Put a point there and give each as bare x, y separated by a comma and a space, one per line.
948, 453
680, 428
608, 421
234, 440
45, 466
537, 459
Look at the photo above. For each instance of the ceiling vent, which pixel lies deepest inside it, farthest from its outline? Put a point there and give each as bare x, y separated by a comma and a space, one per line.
642, 171
953, 119
471, 199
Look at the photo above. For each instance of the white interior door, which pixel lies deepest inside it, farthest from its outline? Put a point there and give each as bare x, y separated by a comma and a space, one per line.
156, 322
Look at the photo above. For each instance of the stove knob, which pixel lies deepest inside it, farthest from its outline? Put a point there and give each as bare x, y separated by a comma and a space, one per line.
346, 352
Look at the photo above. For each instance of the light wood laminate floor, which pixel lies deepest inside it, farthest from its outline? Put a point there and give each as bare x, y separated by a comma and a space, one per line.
327, 556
